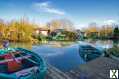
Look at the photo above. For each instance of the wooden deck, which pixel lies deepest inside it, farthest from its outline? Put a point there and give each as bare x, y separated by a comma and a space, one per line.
96, 69
54, 73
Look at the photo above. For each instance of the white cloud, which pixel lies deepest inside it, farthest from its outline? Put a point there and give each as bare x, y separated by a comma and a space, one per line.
81, 26
47, 7
109, 22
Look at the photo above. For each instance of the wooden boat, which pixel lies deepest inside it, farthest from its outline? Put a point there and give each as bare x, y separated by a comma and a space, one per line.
89, 52
19, 63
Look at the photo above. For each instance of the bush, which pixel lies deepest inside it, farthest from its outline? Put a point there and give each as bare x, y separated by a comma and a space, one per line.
114, 51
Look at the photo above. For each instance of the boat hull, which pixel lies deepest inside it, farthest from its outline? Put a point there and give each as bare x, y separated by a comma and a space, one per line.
35, 71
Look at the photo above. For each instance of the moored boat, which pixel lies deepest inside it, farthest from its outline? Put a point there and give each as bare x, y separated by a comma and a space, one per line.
19, 63
89, 52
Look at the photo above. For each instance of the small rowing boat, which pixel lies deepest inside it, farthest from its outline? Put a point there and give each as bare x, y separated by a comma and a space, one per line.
19, 63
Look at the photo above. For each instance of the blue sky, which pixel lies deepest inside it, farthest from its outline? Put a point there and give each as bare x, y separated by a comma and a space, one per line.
81, 12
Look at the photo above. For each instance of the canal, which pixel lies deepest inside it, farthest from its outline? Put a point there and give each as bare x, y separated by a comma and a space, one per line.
63, 55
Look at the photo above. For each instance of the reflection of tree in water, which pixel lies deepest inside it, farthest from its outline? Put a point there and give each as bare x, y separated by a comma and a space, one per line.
21, 45
60, 43
114, 50
115, 43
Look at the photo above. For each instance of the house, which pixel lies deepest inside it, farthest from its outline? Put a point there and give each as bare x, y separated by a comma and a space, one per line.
57, 34
42, 31
81, 34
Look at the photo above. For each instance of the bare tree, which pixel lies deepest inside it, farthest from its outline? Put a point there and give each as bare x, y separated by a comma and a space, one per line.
61, 24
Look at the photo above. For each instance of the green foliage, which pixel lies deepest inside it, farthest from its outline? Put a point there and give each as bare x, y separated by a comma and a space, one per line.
71, 36
116, 31
41, 37
114, 51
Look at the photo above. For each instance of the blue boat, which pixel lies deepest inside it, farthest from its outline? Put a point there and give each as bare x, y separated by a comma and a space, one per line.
89, 52
19, 63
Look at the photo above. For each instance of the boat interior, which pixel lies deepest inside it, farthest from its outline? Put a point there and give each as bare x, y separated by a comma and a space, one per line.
15, 61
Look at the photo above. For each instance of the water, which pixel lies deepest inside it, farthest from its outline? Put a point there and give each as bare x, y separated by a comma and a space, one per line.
63, 55
64, 58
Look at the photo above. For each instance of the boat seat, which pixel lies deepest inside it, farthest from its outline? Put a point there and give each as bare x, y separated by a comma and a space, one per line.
13, 65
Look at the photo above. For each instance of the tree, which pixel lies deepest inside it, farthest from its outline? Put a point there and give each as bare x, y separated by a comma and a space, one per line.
67, 25
2, 29
71, 36
116, 33
61, 24
92, 30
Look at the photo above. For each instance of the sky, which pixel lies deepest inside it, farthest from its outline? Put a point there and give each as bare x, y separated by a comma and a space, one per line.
80, 12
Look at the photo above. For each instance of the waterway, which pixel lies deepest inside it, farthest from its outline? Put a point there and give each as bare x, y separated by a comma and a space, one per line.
63, 55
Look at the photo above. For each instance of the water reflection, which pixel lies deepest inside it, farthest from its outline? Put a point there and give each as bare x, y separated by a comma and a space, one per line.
114, 51
60, 43
22, 45
57, 44
63, 55
103, 43
111, 46
64, 58
116, 43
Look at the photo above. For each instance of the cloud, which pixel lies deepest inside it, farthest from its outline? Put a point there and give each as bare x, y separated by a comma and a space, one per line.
81, 26
109, 22
47, 7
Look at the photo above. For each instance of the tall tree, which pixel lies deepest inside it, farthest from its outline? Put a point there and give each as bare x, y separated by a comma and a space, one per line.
61, 24
116, 32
